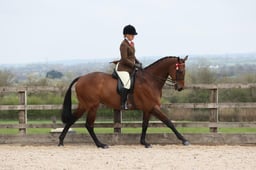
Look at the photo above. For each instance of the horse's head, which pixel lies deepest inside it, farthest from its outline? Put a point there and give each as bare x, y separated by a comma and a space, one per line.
177, 73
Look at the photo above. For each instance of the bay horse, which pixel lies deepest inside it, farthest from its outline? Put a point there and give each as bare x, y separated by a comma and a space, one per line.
98, 87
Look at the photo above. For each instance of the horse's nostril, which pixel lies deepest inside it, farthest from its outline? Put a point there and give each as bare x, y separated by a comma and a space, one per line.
177, 87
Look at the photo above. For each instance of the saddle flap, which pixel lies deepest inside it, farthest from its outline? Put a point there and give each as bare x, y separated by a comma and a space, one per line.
120, 84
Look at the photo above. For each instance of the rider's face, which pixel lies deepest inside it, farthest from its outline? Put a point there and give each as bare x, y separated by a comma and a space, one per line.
129, 37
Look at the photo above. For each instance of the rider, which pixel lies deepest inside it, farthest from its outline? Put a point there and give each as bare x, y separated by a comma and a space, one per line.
128, 62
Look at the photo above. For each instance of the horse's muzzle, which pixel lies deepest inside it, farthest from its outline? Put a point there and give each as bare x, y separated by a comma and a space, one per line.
178, 87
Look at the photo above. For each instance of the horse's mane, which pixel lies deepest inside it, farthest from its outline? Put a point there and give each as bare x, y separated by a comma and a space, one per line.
161, 59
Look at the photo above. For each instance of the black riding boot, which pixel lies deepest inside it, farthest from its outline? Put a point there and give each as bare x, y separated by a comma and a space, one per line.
124, 98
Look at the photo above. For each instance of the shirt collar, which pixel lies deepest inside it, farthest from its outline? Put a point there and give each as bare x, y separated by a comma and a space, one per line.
128, 40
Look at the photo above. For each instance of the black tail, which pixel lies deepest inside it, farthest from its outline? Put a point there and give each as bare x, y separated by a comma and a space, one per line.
66, 114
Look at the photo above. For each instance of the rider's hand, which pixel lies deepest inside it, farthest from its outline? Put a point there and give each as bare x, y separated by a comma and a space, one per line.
138, 65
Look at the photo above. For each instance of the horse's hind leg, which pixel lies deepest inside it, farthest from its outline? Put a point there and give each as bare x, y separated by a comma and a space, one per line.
156, 111
90, 127
73, 118
65, 130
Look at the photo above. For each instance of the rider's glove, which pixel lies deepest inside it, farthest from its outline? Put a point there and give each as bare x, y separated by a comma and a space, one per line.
139, 66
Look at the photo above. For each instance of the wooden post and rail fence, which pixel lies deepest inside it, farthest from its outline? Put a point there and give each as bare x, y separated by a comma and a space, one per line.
213, 137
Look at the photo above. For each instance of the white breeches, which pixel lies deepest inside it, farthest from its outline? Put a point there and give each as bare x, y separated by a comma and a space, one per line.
125, 78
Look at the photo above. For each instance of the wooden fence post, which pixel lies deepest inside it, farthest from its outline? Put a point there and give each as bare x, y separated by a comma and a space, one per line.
117, 121
23, 113
214, 111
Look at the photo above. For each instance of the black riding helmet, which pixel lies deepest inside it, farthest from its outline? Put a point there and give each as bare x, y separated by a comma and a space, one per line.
129, 29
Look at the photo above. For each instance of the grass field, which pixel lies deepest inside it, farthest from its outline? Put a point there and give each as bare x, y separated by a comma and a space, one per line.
124, 130
134, 130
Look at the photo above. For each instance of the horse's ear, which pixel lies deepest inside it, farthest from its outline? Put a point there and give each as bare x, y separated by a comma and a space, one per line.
186, 57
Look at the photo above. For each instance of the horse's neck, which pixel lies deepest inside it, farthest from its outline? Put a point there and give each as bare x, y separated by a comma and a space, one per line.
158, 72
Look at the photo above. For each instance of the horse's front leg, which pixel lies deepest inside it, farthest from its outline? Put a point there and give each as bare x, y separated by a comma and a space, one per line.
146, 117
161, 116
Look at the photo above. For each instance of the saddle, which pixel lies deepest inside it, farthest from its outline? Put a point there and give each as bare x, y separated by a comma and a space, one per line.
120, 84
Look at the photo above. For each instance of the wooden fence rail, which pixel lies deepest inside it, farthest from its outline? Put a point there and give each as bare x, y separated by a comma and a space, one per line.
117, 124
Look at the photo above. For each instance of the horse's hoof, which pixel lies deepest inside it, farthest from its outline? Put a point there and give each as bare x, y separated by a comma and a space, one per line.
103, 146
185, 143
61, 144
148, 146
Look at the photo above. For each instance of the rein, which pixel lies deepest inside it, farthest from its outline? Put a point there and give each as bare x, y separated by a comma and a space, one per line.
168, 81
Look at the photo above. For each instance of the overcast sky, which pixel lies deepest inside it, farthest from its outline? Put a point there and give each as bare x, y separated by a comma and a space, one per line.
49, 30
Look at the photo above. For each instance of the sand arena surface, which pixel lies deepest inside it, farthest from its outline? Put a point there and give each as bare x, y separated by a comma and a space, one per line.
74, 157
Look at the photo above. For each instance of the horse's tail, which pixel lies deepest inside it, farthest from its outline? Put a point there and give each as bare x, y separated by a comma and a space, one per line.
66, 113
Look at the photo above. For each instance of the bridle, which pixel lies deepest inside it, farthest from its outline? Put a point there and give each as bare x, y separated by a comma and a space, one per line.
178, 71
170, 81
173, 82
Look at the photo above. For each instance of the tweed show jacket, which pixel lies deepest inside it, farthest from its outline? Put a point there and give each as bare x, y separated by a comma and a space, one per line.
128, 59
